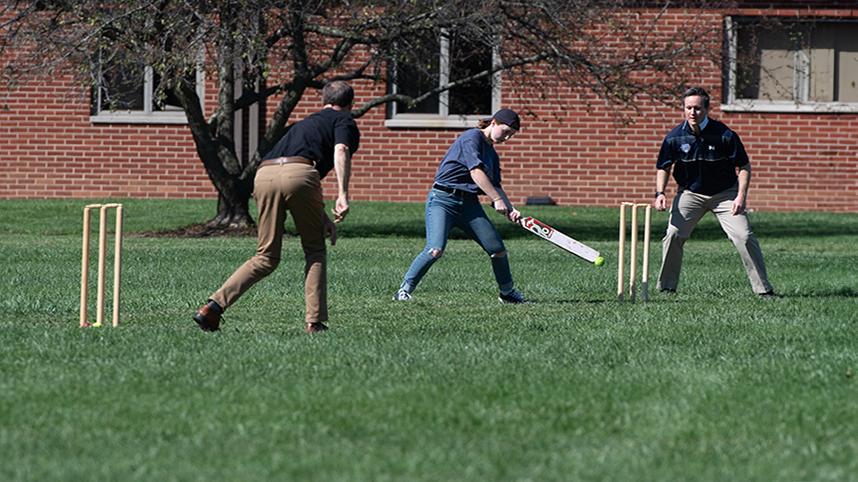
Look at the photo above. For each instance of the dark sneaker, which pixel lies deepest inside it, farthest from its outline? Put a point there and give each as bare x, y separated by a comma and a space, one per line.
514, 297
208, 317
668, 291
402, 295
316, 327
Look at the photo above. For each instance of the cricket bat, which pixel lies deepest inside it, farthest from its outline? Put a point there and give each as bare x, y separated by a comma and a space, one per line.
575, 247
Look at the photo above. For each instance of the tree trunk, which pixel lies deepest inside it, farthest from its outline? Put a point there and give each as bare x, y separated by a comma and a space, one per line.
232, 212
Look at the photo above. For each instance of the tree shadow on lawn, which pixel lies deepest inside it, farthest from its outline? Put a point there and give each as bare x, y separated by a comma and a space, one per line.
591, 224
200, 230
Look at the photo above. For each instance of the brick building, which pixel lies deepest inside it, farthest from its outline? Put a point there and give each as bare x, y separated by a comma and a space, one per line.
796, 111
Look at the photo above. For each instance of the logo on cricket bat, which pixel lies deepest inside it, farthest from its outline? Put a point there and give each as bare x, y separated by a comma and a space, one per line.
545, 231
537, 227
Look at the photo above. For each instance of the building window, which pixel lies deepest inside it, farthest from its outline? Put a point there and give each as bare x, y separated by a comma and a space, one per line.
783, 65
130, 95
461, 106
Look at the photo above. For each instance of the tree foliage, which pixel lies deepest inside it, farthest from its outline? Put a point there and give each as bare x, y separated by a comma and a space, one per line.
278, 50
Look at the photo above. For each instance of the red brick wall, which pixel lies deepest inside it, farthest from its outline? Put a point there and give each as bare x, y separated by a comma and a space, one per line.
801, 161
50, 149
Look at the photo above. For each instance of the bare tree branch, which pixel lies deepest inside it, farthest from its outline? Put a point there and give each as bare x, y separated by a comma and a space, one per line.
276, 51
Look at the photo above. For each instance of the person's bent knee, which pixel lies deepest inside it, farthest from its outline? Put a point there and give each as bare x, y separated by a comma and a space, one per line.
740, 239
314, 249
316, 255
266, 265
436, 253
673, 233
499, 254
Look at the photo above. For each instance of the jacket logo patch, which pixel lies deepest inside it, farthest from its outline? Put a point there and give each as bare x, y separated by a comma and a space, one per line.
685, 148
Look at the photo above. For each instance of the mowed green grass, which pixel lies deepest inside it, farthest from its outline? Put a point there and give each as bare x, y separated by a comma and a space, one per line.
711, 384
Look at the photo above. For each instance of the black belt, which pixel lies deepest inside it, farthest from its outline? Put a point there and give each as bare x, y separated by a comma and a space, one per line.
456, 192
286, 160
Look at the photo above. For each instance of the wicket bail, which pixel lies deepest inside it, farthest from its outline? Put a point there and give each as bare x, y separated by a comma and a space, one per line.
102, 254
633, 208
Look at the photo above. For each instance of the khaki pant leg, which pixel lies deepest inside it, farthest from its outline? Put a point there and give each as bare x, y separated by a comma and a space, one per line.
685, 213
308, 211
270, 201
738, 230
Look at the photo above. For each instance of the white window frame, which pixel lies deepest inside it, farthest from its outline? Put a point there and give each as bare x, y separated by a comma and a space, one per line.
801, 85
252, 120
148, 115
443, 119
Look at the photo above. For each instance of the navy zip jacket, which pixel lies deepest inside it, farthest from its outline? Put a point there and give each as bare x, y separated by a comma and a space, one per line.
705, 164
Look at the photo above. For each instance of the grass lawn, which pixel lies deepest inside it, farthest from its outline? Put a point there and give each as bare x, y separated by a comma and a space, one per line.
710, 384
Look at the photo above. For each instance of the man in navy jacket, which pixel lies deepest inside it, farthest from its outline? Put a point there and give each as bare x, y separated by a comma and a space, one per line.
704, 155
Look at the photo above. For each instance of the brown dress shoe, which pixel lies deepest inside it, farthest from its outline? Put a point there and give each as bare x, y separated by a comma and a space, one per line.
316, 327
207, 318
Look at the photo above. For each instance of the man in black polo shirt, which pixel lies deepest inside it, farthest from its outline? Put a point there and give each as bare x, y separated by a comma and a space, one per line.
704, 155
289, 179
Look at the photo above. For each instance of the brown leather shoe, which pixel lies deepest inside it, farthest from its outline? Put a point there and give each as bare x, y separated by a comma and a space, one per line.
207, 318
316, 327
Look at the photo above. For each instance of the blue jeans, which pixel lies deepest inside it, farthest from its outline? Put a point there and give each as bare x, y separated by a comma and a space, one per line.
445, 210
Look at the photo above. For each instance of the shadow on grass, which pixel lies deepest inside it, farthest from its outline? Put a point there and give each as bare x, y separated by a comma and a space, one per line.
569, 301
179, 218
842, 292
507, 231
601, 224
584, 229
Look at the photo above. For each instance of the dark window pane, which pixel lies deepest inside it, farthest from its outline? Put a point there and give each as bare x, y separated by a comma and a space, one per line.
164, 98
419, 74
747, 63
121, 88
466, 59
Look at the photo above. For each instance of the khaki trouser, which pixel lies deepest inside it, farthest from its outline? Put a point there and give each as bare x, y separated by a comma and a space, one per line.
687, 210
297, 188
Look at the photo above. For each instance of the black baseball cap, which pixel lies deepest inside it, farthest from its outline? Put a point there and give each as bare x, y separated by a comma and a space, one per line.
508, 117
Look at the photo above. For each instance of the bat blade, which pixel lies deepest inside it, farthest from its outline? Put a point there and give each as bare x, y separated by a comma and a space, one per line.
546, 232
